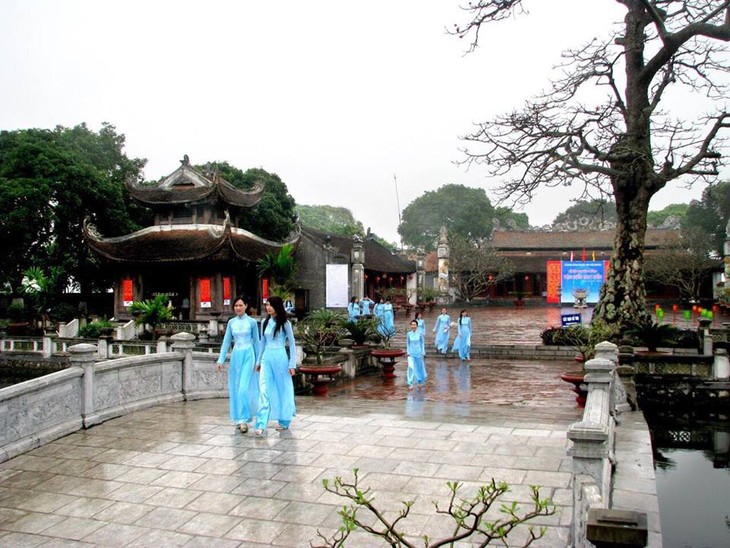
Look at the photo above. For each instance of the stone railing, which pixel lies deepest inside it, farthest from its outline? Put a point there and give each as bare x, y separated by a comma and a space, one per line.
90, 391
593, 456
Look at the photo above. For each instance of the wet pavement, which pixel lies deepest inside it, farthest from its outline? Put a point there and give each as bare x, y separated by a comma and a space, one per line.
179, 475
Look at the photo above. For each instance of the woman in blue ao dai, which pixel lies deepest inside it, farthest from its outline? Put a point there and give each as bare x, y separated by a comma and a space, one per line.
276, 401
242, 332
421, 324
462, 342
388, 323
442, 330
353, 309
416, 352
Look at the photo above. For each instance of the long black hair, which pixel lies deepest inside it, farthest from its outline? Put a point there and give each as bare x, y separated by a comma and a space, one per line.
461, 314
278, 305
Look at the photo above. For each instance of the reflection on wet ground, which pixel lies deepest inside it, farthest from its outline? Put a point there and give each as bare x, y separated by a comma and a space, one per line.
508, 383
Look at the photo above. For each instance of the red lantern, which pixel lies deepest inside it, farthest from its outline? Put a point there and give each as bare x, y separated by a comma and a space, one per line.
675, 308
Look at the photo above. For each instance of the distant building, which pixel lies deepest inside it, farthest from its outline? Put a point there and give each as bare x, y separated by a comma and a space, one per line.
195, 253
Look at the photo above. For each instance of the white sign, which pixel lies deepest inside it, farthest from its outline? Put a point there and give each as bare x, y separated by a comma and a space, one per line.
336, 286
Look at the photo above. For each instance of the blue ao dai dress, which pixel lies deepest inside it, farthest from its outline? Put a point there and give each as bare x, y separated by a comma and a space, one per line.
442, 330
243, 381
388, 324
276, 401
416, 350
422, 327
353, 312
462, 342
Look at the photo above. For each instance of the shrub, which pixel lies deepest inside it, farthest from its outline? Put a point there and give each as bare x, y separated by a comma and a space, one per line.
95, 329
652, 334
63, 312
17, 311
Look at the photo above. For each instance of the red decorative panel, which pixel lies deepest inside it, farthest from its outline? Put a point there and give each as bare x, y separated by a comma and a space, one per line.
204, 290
127, 291
554, 273
226, 291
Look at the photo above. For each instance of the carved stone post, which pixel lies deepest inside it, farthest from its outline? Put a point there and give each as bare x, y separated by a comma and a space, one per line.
48, 345
185, 342
420, 269
443, 274
721, 365
593, 436
357, 258
84, 355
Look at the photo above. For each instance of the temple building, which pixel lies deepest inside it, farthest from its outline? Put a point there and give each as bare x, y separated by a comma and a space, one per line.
195, 253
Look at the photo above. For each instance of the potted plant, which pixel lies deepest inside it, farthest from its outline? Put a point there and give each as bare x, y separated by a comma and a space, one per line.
151, 312
361, 330
652, 334
319, 331
18, 315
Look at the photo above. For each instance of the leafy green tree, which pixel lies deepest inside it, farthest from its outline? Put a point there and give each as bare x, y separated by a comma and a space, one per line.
335, 220
50, 180
274, 216
588, 215
466, 212
658, 218
510, 220
710, 216
625, 142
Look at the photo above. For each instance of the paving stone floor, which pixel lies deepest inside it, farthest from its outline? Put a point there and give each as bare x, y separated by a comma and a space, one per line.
179, 475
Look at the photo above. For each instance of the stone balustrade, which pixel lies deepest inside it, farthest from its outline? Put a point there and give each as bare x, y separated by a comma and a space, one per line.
91, 391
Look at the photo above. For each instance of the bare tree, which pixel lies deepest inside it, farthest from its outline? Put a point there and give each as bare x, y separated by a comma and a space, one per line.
621, 145
475, 266
685, 264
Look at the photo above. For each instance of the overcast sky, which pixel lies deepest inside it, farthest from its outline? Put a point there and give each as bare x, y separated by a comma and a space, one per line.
339, 98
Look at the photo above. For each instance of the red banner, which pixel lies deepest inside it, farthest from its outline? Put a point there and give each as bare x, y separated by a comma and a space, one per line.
554, 274
265, 288
226, 291
204, 290
127, 291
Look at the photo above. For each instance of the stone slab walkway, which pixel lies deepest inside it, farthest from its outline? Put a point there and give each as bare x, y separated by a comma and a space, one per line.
178, 475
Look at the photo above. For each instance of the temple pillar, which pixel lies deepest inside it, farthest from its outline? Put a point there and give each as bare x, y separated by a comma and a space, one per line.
357, 258
444, 296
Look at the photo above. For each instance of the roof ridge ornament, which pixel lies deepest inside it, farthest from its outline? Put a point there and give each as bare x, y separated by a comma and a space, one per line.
185, 161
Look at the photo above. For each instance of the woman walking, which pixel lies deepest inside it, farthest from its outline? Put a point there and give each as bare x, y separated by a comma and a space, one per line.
462, 342
416, 352
353, 309
276, 401
442, 330
421, 324
242, 332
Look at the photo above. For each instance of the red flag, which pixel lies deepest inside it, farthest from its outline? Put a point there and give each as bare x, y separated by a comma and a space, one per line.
583, 256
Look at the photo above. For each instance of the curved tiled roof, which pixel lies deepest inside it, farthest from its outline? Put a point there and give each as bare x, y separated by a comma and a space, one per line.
181, 243
186, 185
573, 241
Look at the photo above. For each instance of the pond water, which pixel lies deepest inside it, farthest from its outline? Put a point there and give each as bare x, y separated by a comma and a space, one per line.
692, 479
